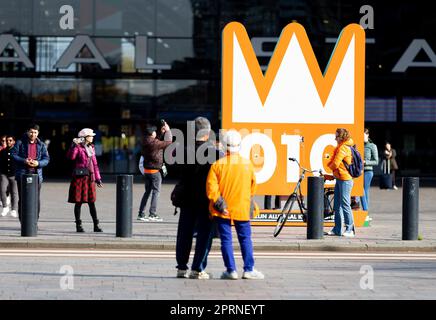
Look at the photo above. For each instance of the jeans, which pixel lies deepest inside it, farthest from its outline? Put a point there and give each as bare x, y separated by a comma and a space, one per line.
12, 183
342, 206
243, 230
190, 219
367, 177
153, 182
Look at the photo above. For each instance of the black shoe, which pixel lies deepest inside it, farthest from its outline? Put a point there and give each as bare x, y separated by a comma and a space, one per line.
79, 227
97, 228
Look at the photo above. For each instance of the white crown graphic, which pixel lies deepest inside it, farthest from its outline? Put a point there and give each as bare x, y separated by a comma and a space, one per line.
293, 96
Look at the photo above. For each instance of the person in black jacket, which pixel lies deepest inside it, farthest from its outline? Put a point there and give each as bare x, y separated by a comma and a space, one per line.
194, 211
7, 169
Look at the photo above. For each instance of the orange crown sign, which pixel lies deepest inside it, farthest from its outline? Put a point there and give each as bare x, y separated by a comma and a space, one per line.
293, 109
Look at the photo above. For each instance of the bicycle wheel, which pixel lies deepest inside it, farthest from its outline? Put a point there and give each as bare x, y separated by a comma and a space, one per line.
283, 217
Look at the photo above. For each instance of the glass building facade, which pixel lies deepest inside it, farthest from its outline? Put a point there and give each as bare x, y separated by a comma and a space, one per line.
161, 59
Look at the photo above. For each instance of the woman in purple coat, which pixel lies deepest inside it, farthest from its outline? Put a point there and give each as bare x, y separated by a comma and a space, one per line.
85, 176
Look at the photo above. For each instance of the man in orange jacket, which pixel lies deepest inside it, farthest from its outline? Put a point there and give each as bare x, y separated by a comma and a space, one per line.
230, 186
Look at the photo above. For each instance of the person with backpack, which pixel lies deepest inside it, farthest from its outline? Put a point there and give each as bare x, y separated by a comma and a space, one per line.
340, 161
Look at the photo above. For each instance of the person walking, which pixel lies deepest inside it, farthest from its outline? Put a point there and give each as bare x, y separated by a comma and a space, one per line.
369, 161
230, 186
152, 151
31, 156
194, 211
343, 186
85, 177
390, 155
8, 182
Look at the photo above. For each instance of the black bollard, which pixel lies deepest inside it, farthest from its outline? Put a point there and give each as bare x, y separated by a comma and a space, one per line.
315, 207
124, 206
29, 205
410, 208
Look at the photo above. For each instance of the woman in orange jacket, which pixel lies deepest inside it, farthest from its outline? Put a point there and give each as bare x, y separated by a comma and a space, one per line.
343, 186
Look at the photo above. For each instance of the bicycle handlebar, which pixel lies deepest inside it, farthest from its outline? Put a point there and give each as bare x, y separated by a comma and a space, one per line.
304, 169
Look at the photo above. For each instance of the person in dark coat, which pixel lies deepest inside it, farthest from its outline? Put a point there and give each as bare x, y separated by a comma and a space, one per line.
390, 155
152, 151
30, 155
8, 182
194, 212
82, 186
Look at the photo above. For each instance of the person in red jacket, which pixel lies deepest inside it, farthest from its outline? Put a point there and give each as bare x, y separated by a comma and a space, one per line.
85, 176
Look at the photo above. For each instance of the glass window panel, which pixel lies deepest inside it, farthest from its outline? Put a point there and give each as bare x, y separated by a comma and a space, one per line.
10, 52
175, 17
49, 50
16, 16
15, 97
380, 109
419, 109
181, 100
65, 91
125, 17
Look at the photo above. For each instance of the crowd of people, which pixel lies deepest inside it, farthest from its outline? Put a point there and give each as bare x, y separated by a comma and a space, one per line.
213, 195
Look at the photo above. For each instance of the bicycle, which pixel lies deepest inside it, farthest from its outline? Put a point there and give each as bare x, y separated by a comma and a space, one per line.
297, 196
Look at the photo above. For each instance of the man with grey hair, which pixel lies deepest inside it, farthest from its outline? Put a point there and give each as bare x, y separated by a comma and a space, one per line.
194, 212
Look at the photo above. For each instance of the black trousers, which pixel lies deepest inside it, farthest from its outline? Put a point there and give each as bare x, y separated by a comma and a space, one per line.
267, 202
19, 198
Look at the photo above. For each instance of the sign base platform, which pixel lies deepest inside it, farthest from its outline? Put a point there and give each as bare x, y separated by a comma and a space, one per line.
295, 219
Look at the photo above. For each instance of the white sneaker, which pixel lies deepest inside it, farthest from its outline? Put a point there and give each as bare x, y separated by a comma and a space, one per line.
349, 234
182, 273
14, 213
253, 275
154, 217
395, 188
330, 233
143, 219
202, 275
5, 211
230, 275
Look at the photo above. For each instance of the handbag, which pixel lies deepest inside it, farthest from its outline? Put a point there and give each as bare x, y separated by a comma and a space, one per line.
81, 172
178, 195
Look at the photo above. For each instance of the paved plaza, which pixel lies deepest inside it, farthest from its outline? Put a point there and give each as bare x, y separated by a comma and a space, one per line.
57, 228
102, 266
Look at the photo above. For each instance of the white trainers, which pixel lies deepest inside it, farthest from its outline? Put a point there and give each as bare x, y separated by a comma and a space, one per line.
14, 213
330, 233
145, 219
349, 234
253, 275
182, 273
230, 275
202, 275
154, 217
5, 211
